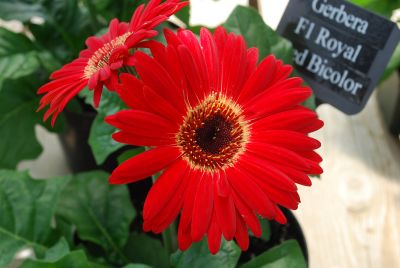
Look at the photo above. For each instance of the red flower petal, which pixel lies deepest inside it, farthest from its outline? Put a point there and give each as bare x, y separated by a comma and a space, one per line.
194, 178
203, 207
132, 138
241, 236
164, 188
144, 165
275, 102
163, 83
280, 217
184, 237
225, 214
297, 176
251, 193
259, 80
293, 119
137, 122
214, 235
223, 188
289, 139
161, 106
211, 58
267, 173
248, 216
279, 155
170, 211
194, 62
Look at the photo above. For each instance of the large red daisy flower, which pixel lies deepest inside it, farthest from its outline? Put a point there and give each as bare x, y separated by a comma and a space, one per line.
98, 64
229, 133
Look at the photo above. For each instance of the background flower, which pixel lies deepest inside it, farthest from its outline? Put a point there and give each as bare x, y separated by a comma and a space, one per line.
98, 65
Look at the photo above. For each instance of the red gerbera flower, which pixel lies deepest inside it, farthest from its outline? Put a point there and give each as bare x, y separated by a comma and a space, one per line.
98, 64
229, 134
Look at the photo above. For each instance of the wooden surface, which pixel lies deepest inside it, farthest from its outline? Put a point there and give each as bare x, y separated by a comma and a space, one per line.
351, 216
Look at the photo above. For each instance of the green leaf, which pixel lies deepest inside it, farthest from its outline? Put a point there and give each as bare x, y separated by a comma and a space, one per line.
100, 138
286, 255
18, 117
64, 229
18, 56
136, 265
141, 248
22, 10
198, 256
59, 256
76, 259
266, 229
101, 212
56, 252
26, 208
310, 103
249, 23
65, 28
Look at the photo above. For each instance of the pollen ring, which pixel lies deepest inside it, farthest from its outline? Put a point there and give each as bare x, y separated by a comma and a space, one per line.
213, 134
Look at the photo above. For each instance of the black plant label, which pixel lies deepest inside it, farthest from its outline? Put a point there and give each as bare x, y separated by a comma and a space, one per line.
341, 50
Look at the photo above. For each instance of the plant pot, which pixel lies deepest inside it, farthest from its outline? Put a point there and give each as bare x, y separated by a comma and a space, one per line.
75, 143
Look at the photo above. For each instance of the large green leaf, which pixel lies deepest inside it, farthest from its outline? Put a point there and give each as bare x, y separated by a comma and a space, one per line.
141, 248
18, 103
26, 208
59, 256
198, 256
286, 255
74, 259
249, 23
101, 212
18, 56
100, 138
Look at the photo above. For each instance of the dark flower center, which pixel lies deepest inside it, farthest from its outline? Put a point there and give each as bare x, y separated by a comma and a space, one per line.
213, 134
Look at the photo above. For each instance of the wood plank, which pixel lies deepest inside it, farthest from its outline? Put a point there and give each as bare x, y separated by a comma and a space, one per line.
351, 217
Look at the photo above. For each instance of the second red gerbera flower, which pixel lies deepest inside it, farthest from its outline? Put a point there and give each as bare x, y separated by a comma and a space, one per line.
98, 65
229, 134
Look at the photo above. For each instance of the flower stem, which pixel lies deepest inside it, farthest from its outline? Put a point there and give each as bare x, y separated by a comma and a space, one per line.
170, 238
